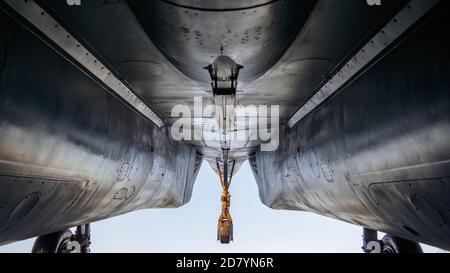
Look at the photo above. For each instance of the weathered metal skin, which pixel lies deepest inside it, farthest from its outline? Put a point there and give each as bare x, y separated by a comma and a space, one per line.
296, 44
71, 152
378, 153
191, 33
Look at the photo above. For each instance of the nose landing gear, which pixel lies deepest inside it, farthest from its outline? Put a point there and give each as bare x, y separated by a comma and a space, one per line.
225, 223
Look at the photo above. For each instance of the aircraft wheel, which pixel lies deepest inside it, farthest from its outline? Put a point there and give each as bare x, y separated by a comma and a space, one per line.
393, 244
57, 242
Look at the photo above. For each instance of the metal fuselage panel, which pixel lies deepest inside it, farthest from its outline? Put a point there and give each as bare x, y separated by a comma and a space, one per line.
191, 35
378, 153
160, 48
71, 152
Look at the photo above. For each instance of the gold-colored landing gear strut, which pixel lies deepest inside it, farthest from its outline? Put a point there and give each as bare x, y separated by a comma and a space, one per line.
225, 223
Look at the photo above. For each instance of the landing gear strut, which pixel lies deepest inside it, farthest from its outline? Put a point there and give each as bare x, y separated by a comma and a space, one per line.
225, 223
65, 241
389, 244
224, 73
83, 237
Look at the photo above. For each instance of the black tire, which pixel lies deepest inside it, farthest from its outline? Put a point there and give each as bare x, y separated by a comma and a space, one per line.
51, 243
393, 244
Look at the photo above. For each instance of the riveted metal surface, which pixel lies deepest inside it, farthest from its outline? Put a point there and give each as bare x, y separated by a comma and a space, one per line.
257, 32
132, 45
378, 153
353, 158
401, 22
74, 48
86, 153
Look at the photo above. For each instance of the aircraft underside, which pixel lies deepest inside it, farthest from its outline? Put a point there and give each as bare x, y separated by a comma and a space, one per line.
357, 94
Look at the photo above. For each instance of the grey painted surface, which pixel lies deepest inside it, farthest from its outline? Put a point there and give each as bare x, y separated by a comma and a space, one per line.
377, 154
71, 153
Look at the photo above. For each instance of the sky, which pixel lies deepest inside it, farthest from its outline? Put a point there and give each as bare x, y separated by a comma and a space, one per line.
192, 228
